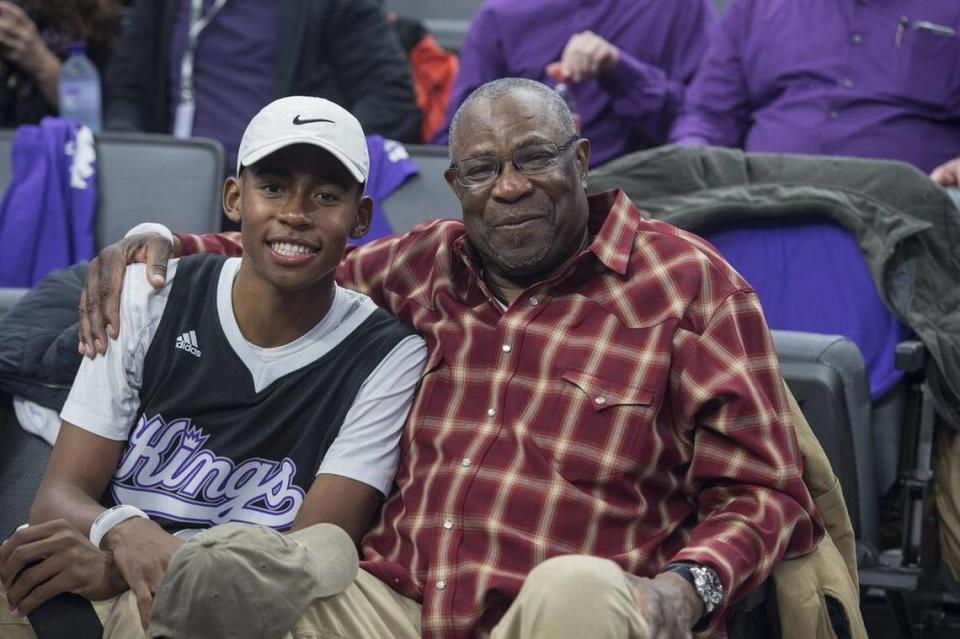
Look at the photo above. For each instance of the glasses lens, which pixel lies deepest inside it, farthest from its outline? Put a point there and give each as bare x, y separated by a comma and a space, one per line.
478, 170
536, 158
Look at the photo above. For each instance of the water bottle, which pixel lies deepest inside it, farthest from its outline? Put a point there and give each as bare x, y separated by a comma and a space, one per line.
563, 90
80, 88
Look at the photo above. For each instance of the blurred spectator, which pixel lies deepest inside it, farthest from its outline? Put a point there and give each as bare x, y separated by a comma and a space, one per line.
869, 79
628, 62
34, 35
249, 52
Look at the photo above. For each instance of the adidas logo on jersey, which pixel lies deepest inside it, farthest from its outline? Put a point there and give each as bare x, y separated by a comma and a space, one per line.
188, 342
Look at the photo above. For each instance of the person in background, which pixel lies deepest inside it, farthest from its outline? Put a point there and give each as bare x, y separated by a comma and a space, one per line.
829, 77
205, 67
627, 63
34, 35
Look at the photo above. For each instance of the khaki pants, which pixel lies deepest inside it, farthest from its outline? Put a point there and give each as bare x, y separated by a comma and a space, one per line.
571, 596
946, 479
119, 617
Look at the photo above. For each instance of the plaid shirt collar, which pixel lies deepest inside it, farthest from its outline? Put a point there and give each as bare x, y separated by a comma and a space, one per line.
612, 222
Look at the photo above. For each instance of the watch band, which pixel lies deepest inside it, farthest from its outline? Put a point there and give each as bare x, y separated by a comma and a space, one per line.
110, 519
704, 580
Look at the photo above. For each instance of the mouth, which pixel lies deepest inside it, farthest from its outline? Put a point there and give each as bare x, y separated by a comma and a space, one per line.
518, 222
292, 252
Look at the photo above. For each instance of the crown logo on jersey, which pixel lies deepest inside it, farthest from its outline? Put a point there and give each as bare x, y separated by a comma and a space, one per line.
188, 342
193, 438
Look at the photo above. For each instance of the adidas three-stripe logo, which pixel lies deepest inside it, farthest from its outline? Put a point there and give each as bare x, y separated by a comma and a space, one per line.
188, 342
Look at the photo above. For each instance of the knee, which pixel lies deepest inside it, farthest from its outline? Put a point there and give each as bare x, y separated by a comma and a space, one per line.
574, 579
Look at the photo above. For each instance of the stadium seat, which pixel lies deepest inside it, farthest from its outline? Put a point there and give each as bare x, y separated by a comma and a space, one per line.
828, 378
23, 458
423, 196
156, 178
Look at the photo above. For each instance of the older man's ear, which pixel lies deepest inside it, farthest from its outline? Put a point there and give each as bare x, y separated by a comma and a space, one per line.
583, 159
450, 175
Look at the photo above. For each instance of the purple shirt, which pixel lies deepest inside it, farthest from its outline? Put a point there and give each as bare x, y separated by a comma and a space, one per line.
628, 108
832, 77
233, 71
788, 262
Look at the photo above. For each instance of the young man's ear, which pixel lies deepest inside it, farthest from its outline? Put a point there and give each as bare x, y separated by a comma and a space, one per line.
361, 223
231, 198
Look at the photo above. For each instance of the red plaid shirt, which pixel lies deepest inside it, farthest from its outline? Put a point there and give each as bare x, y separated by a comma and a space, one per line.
630, 408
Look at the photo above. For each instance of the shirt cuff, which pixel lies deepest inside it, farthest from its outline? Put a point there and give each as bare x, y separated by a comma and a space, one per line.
630, 75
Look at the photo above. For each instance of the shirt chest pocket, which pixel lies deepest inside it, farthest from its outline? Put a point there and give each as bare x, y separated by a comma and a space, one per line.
598, 428
929, 62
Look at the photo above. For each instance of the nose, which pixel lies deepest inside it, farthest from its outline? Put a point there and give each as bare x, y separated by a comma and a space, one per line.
295, 212
511, 185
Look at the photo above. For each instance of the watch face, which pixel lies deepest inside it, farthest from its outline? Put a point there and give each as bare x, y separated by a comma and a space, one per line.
709, 587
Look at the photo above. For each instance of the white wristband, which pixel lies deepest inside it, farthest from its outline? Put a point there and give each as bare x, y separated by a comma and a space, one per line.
110, 519
151, 227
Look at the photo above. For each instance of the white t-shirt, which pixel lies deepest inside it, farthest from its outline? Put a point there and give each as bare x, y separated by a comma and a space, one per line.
104, 399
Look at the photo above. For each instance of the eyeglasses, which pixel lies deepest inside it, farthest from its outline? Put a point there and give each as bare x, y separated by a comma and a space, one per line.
529, 160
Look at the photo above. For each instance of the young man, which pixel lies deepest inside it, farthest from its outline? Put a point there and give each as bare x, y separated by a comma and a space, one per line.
244, 390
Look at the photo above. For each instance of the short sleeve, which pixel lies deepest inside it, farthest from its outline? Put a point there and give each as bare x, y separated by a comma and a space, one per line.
367, 448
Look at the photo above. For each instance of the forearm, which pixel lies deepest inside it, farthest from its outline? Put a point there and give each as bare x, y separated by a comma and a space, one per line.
63, 501
47, 77
745, 533
639, 89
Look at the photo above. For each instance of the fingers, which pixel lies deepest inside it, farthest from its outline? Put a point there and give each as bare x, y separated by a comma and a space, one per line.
60, 583
144, 601
27, 545
92, 336
28, 580
947, 174
100, 304
587, 55
158, 253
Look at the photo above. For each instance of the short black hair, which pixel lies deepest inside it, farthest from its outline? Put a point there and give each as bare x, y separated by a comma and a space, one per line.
503, 86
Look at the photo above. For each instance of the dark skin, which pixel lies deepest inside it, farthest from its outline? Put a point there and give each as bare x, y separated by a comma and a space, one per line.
299, 195
526, 229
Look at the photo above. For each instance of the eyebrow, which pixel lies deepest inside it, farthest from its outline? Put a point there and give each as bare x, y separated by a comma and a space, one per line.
281, 171
532, 139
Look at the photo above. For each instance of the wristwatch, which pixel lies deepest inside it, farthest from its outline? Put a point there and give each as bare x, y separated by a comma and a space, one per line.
704, 580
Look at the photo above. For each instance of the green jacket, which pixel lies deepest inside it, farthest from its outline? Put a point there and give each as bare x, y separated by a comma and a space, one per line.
906, 226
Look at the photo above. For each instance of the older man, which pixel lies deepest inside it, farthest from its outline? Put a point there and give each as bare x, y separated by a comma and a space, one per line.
833, 77
600, 444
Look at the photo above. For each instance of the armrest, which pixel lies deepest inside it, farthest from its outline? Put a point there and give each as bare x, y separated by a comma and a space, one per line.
911, 356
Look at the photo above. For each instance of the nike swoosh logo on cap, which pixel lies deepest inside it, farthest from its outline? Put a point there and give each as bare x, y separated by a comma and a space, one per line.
297, 120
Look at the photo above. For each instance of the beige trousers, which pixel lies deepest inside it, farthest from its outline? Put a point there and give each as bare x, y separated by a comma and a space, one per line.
119, 617
946, 477
571, 596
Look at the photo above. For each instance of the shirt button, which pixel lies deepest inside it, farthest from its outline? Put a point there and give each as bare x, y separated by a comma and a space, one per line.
466, 462
491, 412
600, 401
848, 83
834, 115
534, 301
857, 38
440, 585
506, 348
447, 524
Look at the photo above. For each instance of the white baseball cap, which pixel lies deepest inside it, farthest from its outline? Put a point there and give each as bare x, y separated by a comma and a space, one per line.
301, 119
